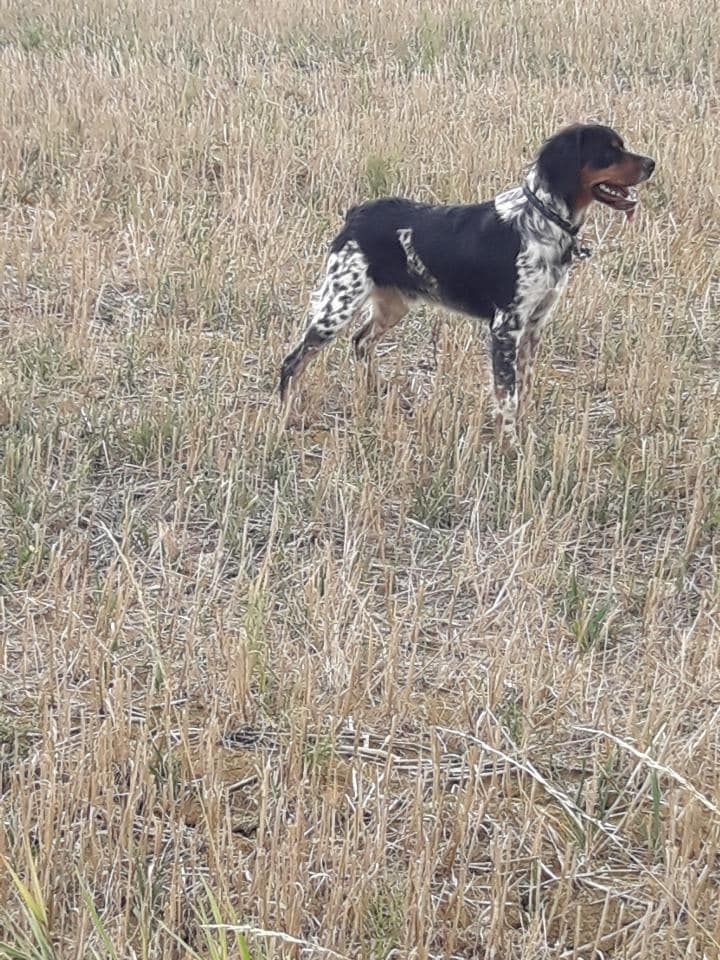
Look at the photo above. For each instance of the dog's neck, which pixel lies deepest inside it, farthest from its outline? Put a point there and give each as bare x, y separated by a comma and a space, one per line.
557, 205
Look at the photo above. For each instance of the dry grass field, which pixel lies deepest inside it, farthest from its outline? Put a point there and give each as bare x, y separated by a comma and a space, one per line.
364, 688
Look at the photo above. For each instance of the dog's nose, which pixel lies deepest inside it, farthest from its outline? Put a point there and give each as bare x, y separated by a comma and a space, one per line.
648, 166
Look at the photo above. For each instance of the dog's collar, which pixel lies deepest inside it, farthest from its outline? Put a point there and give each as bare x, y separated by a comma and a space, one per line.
550, 214
581, 252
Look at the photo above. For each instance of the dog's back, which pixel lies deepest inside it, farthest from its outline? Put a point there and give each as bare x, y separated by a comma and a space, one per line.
462, 255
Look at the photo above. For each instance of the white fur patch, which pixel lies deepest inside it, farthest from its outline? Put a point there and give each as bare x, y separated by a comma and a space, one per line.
510, 204
414, 263
344, 289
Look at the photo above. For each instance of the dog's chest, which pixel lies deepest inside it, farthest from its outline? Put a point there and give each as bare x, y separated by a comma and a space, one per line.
541, 275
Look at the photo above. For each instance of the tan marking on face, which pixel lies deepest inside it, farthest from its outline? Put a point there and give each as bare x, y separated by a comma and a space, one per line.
627, 173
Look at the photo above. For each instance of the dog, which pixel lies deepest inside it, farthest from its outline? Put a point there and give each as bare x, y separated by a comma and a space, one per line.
506, 260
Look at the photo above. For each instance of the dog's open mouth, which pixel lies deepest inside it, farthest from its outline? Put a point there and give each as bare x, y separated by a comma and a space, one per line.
617, 197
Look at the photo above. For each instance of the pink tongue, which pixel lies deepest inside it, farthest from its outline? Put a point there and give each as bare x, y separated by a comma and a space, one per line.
630, 214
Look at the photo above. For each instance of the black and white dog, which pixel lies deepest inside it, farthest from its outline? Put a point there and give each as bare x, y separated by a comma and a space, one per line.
506, 260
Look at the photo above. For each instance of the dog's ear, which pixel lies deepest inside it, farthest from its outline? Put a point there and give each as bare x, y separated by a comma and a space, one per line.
559, 163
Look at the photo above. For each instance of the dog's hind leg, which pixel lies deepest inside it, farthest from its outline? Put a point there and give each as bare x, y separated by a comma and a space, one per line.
388, 308
343, 291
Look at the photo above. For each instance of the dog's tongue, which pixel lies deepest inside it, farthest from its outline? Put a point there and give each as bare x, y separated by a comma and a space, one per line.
630, 214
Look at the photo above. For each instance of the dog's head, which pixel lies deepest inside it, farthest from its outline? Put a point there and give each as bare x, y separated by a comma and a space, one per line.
587, 162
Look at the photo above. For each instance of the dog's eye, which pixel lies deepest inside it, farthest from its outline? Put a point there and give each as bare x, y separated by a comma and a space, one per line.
608, 157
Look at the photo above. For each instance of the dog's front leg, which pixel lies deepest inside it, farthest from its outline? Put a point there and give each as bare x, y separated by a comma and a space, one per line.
505, 334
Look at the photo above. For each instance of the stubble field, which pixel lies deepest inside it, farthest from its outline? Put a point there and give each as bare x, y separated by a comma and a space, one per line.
365, 687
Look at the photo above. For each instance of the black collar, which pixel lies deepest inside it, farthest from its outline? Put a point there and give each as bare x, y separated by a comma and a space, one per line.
578, 251
550, 214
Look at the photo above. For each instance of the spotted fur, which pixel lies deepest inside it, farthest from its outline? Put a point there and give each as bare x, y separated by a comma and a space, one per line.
506, 260
344, 290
